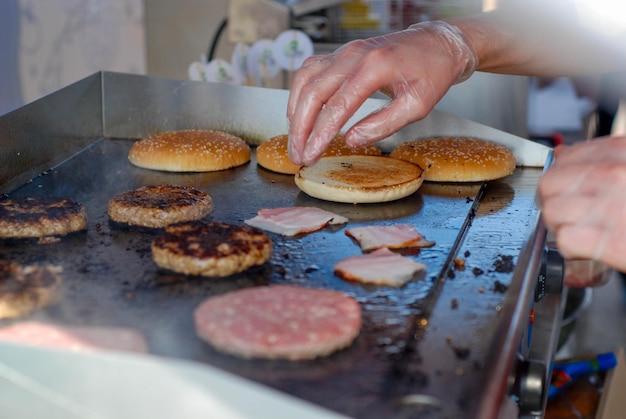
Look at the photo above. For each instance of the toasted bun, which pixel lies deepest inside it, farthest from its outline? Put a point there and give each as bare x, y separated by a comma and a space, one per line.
273, 153
457, 159
359, 179
338, 147
190, 151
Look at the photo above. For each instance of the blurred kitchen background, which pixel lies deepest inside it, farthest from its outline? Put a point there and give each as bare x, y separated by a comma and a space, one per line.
48, 44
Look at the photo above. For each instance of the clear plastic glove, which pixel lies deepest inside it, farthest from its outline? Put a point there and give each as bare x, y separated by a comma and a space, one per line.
583, 201
415, 67
585, 273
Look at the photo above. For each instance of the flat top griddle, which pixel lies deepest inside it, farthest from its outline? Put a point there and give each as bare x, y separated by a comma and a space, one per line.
425, 348
111, 280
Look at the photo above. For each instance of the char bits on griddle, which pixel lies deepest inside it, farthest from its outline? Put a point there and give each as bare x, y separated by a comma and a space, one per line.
40, 217
504, 264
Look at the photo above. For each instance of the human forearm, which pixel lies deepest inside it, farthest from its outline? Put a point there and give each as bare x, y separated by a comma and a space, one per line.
545, 42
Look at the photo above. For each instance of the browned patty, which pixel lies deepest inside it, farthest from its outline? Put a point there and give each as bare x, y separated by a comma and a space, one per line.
157, 206
24, 289
210, 248
37, 216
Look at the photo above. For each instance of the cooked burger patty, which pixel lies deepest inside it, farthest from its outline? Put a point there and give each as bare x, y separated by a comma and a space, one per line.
279, 321
156, 206
24, 289
210, 248
37, 216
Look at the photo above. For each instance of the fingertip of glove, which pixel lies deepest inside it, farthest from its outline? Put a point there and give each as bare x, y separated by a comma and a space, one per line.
292, 152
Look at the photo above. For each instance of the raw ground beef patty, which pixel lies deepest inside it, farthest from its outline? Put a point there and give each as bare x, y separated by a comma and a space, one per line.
279, 321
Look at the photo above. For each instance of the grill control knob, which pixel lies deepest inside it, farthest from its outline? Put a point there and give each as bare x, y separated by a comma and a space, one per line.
550, 280
530, 386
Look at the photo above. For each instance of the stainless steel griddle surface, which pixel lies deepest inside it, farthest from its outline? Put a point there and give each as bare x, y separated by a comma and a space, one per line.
111, 280
427, 349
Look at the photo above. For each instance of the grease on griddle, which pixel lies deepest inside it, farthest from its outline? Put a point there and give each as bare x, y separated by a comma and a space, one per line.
311, 269
132, 228
413, 375
460, 351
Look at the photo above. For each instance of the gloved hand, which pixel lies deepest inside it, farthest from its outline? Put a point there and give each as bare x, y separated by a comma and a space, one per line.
416, 67
583, 201
584, 273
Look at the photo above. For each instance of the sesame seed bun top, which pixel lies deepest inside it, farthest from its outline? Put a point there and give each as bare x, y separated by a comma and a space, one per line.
190, 151
273, 154
457, 159
338, 147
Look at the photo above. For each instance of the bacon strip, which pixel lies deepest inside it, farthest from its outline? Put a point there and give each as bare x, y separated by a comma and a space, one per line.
381, 267
396, 236
291, 221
